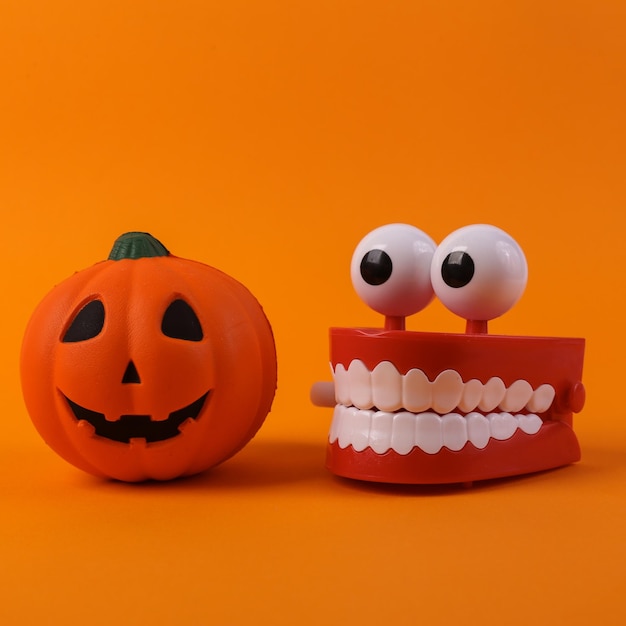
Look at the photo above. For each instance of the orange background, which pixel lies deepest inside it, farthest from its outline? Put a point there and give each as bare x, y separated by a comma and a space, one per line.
266, 138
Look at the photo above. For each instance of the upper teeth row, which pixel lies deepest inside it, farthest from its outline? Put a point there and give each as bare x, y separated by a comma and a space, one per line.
388, 390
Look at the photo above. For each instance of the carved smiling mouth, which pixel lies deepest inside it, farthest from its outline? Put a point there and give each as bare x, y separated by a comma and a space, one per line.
129, 427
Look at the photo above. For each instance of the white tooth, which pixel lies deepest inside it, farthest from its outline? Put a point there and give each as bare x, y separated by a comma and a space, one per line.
346, 426
416, 391
472, 393
447, 389
342, 385
502, 425
403, 435
386, 387
353, 428
361, 430
493, 393
478, 431
542, 399
530, 423
454, 431
380, 431
428, 432
334, 425
516, 396
360, 385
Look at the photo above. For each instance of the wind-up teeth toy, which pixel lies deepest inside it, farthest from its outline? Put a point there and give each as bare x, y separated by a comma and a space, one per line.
422, 407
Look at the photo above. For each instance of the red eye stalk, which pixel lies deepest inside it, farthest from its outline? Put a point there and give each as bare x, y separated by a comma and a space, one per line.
476, 327
395, 322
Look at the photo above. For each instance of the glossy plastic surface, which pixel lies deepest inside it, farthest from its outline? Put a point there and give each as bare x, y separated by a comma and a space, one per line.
479, 272
390, 270
415, 407
504, 368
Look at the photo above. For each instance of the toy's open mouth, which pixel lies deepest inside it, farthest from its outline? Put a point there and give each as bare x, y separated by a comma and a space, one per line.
384, 410
129, 427
414, 407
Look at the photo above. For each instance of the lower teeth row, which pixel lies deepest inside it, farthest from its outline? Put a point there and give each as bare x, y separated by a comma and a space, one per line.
402, 431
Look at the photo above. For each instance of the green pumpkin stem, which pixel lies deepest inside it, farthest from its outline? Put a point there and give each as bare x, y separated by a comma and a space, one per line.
137, 246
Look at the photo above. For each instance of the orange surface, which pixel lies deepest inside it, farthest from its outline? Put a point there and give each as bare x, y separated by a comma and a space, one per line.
266, 138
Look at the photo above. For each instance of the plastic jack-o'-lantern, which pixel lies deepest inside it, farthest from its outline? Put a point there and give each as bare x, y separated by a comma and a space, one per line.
147, 365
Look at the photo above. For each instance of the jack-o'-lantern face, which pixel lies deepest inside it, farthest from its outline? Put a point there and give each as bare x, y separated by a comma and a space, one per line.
179, 322
148, 367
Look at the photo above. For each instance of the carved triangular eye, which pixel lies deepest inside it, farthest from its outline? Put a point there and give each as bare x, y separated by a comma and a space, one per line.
180, 322
87, 323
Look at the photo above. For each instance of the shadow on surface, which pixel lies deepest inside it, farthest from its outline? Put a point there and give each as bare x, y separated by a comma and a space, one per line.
260, 464
602, 459
452, 489
265, 463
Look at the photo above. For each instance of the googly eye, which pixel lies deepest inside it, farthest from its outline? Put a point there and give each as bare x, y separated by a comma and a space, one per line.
479, 272
390, 269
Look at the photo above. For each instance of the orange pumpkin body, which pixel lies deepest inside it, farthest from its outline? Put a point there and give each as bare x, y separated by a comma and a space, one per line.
125, 396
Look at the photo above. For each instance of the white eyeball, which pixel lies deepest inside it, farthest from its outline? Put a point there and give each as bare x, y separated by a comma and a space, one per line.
479, 272
390, 269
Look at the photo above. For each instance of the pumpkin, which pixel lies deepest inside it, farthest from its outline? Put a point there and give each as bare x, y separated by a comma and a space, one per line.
147, 365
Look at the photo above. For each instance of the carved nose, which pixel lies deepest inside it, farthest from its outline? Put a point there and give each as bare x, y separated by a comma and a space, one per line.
131, 375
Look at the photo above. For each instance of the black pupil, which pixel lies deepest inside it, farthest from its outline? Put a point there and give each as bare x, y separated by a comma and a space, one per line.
457, 269
376, 267
87, 324
180, 322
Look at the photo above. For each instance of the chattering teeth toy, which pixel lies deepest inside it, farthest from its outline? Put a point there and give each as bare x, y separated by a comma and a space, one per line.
421, 407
